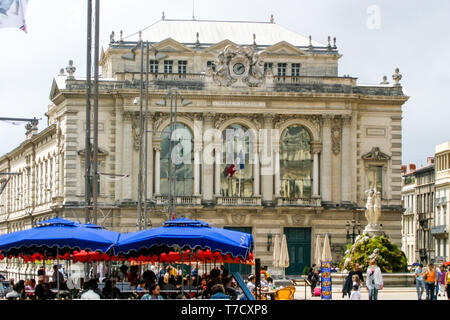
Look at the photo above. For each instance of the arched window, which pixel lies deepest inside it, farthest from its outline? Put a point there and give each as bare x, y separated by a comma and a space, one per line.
237, 146
295, 163
182, 161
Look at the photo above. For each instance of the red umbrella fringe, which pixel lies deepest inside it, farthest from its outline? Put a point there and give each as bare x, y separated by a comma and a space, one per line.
172, 257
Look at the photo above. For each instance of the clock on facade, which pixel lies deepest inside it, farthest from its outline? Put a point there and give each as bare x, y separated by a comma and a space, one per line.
239, 68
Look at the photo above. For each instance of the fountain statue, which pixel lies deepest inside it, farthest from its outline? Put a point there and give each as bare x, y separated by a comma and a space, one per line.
373, 212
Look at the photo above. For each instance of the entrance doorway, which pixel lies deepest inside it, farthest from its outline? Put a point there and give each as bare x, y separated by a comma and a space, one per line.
299, 248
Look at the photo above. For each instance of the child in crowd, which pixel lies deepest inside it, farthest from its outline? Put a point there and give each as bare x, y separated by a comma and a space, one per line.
356, 294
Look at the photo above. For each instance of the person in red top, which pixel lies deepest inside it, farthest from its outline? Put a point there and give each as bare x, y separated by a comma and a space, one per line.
133, 276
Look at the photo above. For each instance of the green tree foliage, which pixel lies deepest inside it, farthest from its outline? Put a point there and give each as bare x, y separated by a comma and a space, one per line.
388, 256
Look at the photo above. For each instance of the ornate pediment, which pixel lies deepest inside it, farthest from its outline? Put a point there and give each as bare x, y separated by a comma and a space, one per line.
238, 66
376, 154
171, 45
285, 48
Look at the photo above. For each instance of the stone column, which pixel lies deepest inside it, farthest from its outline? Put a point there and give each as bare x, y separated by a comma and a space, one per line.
266, 142
55, 176
208, 160
120, 183
149, 158
346, 159
326, 159
256, 171
127, 156
197, 154
217, 163
157, 148
316, 147
276, 152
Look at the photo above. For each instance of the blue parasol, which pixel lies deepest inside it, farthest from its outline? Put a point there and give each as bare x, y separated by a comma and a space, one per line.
184, 234
64, 236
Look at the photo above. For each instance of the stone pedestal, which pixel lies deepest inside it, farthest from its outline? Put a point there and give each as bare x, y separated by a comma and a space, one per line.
373, 230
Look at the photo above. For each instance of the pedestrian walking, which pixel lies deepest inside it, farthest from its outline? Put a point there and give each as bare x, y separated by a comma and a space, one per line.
430, 281
441, 281
313, 278
438, 276
356, 294
447, 283
348, 283
374, 280
420, 285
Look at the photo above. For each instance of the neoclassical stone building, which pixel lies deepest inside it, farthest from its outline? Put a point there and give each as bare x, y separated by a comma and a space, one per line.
311, 141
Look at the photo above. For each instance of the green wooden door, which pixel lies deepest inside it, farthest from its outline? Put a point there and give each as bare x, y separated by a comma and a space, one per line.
299, 248
243, 269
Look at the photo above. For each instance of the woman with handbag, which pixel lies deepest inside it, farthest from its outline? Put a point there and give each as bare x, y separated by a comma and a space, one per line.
374, 280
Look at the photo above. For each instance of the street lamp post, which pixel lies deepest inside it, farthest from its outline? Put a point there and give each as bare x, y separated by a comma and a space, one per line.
355, 226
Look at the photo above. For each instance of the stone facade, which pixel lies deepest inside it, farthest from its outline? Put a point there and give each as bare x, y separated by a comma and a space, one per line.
355, 133
440, 228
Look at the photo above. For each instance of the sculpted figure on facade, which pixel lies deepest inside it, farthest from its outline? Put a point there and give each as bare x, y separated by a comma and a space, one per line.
373, 208
239, 64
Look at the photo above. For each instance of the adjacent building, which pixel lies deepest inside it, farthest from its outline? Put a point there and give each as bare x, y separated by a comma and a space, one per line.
310, 142
440, 227
409, 221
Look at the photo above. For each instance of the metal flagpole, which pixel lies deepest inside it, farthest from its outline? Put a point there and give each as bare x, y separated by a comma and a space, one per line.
87, 162
146, 136
170, 157
174, 173
57, 271
96, 61
140, 138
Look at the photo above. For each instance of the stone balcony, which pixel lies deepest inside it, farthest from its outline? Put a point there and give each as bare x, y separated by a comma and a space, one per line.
299, 202
179, 200
202, 81
238, 201
441, 230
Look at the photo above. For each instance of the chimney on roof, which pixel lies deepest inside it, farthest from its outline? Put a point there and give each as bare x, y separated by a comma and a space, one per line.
404, 169
430, 160
412, 167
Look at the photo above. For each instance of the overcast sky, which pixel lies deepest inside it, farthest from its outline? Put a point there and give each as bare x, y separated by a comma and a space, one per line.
373, 36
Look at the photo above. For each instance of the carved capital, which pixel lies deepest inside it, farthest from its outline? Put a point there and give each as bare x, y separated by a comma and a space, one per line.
198, 147
316, 147
209, 116
346, 119
127, 115
327, 119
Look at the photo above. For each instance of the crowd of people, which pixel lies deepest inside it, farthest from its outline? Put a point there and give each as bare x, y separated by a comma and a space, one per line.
434, 280
153, 283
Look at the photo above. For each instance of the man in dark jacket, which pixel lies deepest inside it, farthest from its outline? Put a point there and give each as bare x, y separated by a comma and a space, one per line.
313, 278
348, 284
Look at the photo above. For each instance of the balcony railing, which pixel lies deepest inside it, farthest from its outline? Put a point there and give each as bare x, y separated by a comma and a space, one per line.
179, 200
305, 202
238, 201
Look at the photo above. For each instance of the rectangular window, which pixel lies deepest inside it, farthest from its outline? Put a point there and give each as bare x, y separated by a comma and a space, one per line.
268, 66
295, 69
282, 69
153, 66
182, 64
168, 66
211, 65
375, 176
